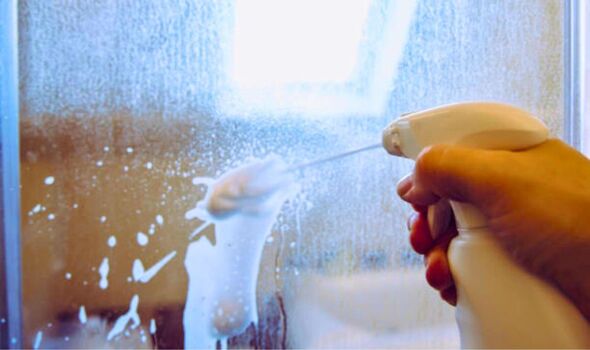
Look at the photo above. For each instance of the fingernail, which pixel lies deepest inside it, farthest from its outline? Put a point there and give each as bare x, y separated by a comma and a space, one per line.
404, 185
411, 221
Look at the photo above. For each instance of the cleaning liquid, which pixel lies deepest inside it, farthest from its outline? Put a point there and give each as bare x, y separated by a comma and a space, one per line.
242, 205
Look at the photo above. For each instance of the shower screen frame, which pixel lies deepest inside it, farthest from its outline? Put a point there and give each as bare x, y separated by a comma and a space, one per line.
575, 16
10, 254
574, 73
583, 55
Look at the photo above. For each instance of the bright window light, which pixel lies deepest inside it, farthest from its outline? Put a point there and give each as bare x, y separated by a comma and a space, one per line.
313, 58
296, 41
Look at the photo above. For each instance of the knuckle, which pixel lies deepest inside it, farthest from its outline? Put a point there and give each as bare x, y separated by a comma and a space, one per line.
428, 157
431, 167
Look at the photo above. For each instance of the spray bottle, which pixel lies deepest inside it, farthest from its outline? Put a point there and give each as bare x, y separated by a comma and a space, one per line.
500, 305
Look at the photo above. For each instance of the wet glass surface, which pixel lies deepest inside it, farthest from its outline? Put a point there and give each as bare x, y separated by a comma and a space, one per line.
124, 103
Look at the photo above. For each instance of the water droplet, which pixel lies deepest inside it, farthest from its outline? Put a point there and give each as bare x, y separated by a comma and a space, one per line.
49, 180
152, 326
103, 270
82, 315
142, 239
38, 339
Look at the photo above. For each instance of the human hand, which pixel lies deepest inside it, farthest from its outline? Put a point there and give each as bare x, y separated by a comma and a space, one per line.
438, 273
536, 201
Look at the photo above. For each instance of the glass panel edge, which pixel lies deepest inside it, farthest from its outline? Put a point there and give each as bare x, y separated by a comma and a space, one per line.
10, 264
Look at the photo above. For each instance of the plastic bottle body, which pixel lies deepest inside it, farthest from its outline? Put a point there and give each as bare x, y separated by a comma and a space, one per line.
500, 305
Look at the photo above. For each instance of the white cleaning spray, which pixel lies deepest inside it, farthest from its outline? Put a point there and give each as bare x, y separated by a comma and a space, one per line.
242, 205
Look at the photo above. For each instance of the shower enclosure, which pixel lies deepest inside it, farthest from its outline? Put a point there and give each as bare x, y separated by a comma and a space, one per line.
112, 112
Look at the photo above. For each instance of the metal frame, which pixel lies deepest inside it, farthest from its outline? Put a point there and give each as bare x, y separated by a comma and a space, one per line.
584, 26
572, 73
10, 257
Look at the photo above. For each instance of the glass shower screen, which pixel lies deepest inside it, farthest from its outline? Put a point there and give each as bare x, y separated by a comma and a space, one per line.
129, 108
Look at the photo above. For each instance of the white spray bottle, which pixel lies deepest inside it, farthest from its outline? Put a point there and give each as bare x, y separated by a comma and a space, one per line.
500, 305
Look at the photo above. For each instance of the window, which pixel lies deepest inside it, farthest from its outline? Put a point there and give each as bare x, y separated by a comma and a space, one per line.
126, 105
304, 57
272, 47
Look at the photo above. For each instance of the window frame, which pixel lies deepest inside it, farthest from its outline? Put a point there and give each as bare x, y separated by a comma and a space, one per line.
585, 75
10, 247
573, 77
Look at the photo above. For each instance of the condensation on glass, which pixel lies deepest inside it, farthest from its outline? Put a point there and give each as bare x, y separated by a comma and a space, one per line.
123, 103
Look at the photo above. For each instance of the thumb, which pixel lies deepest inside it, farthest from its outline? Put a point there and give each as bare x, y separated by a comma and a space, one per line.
454, 172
